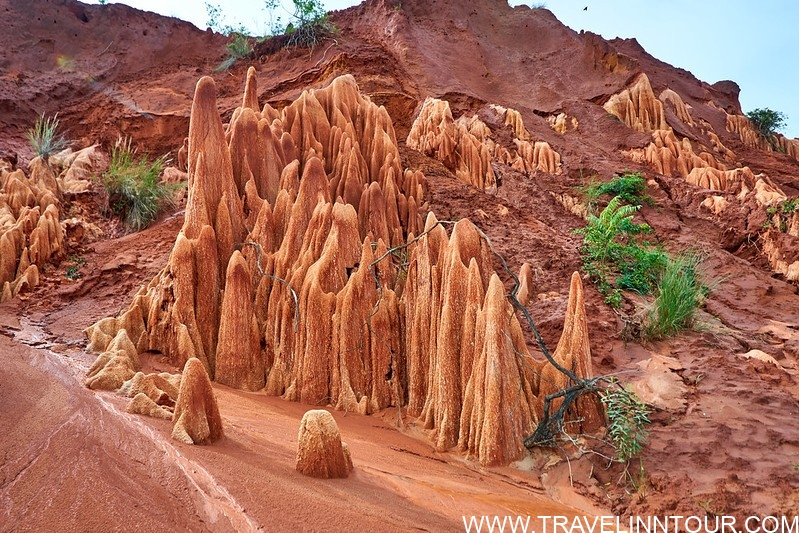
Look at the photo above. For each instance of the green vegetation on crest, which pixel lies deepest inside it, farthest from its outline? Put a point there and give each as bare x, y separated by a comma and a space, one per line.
767, 122
307, 26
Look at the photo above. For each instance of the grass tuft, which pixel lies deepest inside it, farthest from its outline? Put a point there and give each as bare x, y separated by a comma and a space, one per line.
44, 138
680, 293
240, 47
135, 192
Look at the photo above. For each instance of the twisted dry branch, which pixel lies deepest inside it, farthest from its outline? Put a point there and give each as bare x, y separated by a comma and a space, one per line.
281, 280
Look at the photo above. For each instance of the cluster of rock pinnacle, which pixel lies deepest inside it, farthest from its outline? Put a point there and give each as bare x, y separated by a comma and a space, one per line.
305, 269
712, 167
467, 148
31, 233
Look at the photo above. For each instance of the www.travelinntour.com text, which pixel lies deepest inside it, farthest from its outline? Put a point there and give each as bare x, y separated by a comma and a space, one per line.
633, 524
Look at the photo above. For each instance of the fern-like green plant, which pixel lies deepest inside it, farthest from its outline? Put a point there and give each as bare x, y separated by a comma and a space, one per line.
45, 139
628, 418
614, 257
602, 230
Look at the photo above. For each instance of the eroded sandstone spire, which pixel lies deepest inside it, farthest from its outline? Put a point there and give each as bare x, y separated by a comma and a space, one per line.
638, 107
196, 418
573, 353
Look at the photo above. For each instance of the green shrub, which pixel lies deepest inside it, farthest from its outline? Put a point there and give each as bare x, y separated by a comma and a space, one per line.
44, 138
214, 21
614, 256
780, 214
679, 294
767, 122
308, 25
628, 418
135, 193
616, 259
240, 47
630, 187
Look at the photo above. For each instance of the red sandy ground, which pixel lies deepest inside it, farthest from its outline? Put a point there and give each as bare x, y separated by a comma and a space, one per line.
74, 459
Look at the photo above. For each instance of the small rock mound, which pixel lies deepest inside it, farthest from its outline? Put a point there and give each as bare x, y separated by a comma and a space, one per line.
197, 418
320, 452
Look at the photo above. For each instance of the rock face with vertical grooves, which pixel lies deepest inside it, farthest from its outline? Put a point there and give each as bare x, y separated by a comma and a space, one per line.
30, 231
297, 273
573, 352
638, 107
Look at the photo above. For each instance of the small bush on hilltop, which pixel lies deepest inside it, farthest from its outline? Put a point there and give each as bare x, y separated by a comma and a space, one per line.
135, 193
767, 122
44, 138
307, 26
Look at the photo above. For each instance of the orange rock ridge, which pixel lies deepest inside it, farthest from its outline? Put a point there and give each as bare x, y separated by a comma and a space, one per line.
638, 107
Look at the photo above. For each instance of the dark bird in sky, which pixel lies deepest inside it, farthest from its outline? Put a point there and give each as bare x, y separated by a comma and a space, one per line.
585, 8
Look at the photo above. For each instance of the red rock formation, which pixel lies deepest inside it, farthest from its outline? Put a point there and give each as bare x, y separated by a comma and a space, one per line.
638, 107
490, 432
320, 452
782, 251
740, 181
562, 122
680, 109
672, 157
196, 418
117, 364
749, 135
466, 147
284, 278
573, 353
239, 363
30, 231
142, 404
436, 133
787, 146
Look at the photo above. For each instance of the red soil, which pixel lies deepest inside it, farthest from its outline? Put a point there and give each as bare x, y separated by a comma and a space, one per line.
74, 457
